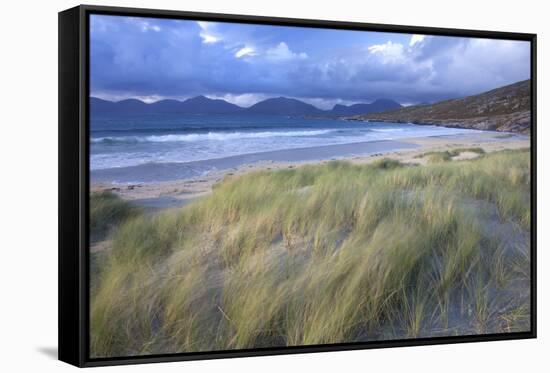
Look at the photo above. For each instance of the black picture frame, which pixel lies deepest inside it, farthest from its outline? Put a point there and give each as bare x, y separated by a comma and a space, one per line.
74, 185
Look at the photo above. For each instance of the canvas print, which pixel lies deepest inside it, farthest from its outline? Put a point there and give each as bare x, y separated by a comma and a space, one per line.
257, 186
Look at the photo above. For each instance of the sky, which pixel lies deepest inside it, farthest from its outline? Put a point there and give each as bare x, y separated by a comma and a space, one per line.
153, 59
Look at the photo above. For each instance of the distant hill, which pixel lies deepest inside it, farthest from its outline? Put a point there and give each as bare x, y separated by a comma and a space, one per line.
283, 106
165, 106
506, 108
196, 105
204, 105
98, 105
377, 106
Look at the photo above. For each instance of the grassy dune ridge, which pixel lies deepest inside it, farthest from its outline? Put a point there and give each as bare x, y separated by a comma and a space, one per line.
106, 211
323, 254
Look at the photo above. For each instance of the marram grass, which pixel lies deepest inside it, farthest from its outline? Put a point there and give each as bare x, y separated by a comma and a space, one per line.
106, 211
323, 254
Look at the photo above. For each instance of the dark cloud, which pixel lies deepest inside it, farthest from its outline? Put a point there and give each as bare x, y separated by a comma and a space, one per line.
141, 57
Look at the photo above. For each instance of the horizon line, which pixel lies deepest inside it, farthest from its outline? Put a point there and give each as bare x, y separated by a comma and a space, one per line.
302, 100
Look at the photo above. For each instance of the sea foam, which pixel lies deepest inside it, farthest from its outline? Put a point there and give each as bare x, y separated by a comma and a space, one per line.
216, 136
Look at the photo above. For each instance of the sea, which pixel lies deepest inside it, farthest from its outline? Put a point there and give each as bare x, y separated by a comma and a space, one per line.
159, 147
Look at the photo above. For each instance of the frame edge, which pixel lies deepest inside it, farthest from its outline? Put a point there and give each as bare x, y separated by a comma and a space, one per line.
69, 213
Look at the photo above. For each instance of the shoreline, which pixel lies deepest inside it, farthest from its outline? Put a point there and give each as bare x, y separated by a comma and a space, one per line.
159, 195
517, 123
160, 172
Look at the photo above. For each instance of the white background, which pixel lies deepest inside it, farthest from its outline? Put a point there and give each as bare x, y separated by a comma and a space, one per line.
28, 181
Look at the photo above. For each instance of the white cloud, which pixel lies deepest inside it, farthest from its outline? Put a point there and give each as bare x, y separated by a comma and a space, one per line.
245, 51
110, 96
389, 51
204, 25
416, 39
326, 104
150, 98
243, 100
282, 52
208, 39
207, 33
146, 26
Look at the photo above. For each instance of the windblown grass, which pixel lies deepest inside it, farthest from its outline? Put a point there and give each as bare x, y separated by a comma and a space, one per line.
106, 211
323, 254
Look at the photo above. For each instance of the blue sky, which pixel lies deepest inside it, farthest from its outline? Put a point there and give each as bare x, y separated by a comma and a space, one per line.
152, 59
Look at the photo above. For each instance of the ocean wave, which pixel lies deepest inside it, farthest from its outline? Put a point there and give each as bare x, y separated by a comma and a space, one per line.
216, 136
388, 129
188, 128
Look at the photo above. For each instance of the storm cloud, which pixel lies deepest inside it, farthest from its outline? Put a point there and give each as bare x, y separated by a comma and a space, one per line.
153, 59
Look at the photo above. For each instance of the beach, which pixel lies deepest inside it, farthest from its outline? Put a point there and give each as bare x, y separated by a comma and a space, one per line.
172, 191
347, 236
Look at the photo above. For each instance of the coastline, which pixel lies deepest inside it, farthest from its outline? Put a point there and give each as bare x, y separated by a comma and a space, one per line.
159, 195
518, 122
483, 111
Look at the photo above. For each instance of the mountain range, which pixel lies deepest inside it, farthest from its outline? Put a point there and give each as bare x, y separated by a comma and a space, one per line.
204, 105
507, 108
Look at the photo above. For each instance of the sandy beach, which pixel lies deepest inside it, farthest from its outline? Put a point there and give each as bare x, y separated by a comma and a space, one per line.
174, 193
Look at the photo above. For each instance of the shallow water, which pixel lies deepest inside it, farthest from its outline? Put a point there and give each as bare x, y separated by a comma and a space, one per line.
167, 147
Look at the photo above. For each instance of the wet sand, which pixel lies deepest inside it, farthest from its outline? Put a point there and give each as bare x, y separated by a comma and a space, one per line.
159, 172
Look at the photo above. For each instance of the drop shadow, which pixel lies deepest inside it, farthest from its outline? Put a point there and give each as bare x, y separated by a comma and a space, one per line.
50, 352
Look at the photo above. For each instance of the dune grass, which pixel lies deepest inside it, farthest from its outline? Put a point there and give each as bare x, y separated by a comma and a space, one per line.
323, 254
106, 211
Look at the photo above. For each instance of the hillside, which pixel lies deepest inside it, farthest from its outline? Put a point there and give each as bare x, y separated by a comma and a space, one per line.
506, 108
